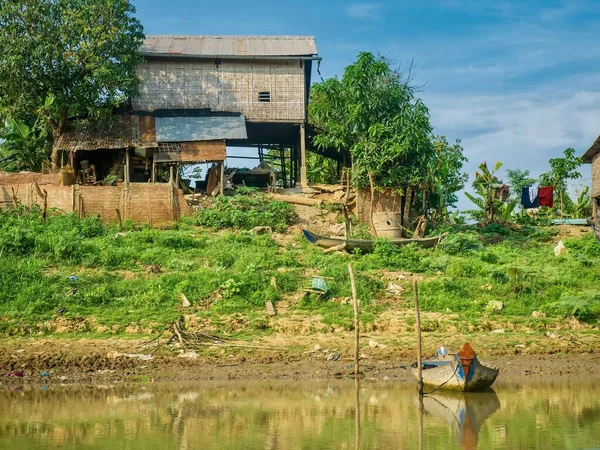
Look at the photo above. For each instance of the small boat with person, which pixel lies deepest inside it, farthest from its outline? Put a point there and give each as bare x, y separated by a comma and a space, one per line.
367, 245
460, 371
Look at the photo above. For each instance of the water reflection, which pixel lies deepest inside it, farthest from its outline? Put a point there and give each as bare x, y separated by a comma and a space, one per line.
464, 412
338, 415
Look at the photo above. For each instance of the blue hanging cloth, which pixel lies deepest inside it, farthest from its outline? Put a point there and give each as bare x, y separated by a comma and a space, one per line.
530, 197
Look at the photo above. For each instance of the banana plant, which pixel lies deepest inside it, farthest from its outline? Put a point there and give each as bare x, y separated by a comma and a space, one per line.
22, 147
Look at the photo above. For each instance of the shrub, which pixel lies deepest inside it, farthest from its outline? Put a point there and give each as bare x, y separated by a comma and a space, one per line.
461, 243
246, 211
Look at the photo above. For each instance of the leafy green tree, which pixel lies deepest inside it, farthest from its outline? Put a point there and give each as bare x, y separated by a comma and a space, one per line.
82, 52
561, 171
443, 176
373, 112
321, 169
517, 180
22, 147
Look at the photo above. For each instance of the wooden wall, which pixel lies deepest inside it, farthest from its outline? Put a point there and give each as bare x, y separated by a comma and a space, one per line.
596, 175
232, 86
154, 204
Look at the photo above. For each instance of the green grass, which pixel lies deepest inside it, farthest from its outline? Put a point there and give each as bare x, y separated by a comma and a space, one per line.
229, 274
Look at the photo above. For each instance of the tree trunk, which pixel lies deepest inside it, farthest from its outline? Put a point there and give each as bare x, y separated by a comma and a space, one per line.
345, 205
372, 185
407, 202
561, 206
57, 131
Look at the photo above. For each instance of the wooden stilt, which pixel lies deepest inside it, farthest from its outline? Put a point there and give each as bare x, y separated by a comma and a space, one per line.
222, 179
356, 322
356, 414
126, 166
171, 174
303, 176
418, 329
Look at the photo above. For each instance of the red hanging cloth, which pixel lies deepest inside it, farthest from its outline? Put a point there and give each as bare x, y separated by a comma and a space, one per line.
546, 196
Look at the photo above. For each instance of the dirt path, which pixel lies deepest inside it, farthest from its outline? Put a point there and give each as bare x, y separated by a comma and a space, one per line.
318, 356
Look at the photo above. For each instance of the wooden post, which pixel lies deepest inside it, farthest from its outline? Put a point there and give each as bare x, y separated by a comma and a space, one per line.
119, 218
153, 168
418, 328
303, 177
222, 178
126, 165
171, 174
177, 175
356, 414
356, 321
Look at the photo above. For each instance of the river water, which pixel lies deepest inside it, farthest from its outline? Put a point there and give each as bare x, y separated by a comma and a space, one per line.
285, 415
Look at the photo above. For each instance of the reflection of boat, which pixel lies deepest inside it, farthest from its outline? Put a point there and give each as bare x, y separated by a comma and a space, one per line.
457, 372
366, 245
465, 412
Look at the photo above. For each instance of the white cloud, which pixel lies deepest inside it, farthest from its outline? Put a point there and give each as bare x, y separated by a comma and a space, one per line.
364, 10
521, 130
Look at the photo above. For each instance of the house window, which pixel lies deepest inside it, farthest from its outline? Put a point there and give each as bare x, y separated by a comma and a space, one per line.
264, 96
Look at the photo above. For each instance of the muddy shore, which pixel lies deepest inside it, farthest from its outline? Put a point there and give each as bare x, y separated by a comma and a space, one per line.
97, 361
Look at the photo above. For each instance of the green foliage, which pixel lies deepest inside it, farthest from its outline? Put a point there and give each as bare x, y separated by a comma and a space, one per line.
583, 206
232, 274
443, 177
517, 180
485, 184
373, 112
246, 211
321, 170
83, 53
561, 171
461, 243
22, 147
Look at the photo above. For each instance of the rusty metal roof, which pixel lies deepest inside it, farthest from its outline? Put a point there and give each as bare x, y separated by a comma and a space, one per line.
232, 46
591, 152
120, 131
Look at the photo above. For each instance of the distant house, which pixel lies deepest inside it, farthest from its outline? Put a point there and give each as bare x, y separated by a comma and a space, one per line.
199, 95
592, 156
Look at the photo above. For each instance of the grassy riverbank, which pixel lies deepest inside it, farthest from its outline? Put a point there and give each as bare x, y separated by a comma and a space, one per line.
72, 275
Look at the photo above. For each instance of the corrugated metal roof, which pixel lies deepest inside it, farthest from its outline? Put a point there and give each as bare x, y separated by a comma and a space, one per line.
121, 131
185, 129
223, 46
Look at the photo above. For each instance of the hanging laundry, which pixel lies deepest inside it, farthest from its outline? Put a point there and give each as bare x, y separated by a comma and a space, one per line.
530, 197
546, 196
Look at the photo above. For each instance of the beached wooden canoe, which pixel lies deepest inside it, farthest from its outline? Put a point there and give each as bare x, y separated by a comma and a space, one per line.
456, 372
366, 245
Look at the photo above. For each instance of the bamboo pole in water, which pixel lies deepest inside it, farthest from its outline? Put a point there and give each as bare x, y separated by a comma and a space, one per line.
356, 414
418, 329
356, 321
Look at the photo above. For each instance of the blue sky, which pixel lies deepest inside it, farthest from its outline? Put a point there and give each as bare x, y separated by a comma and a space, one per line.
516, 81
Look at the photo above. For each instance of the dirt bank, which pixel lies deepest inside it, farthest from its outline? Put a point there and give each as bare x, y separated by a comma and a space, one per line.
384, 357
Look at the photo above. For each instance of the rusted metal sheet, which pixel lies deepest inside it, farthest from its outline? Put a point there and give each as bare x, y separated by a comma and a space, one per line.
147, 130
203, 151
223, 46
120, 131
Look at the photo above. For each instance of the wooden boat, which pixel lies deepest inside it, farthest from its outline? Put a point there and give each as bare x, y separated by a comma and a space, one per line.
366, 245
456, 372
465, 412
